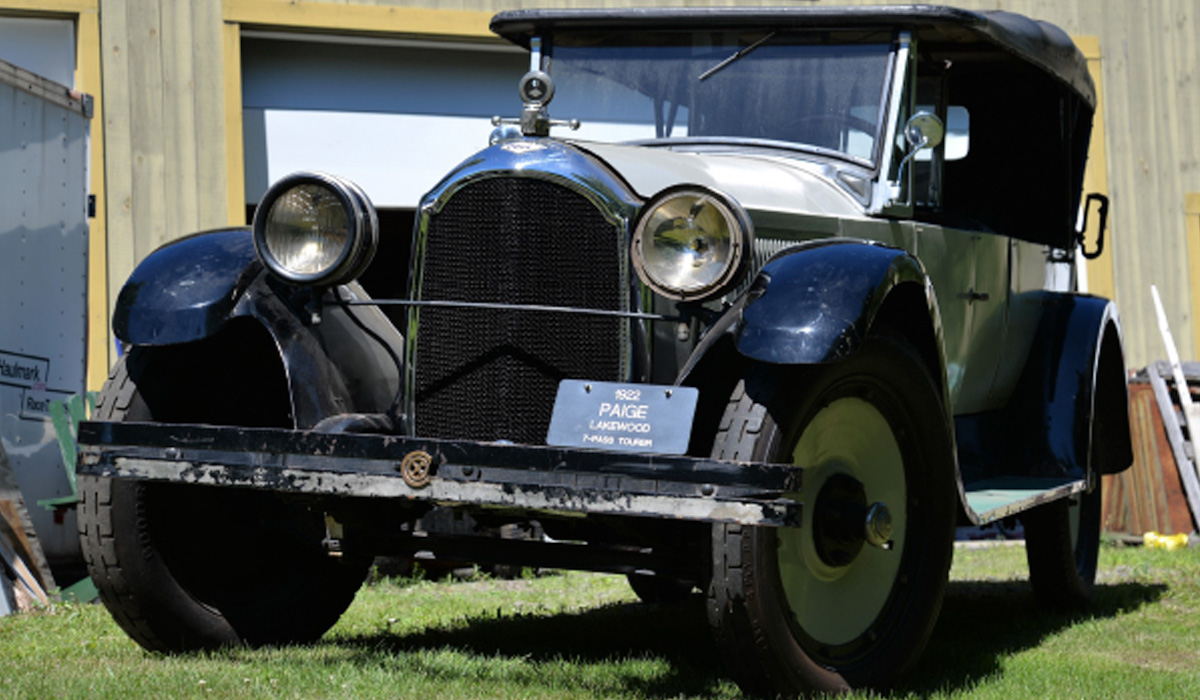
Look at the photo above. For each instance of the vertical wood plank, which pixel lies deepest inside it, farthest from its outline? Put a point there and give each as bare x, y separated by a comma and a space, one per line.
1138, 243
1192, 214
1183, 82
146, 102
1100, 270
179, 120
209, 73
1166, 186
99, 340
118, 146
235, 187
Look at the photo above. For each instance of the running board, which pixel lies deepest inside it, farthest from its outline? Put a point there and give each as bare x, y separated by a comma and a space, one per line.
995, 499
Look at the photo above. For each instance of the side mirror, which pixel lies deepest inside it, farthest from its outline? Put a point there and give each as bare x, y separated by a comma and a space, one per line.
923, 130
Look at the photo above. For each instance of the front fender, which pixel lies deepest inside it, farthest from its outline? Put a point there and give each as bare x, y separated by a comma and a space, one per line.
815, 302
344, 361
187, 289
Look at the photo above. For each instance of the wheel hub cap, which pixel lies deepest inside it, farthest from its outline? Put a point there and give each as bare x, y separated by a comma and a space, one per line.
842, 521
837, 520
879, 526
836, 587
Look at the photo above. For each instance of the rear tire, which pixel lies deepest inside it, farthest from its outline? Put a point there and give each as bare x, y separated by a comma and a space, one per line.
184, 567
1062, 546
815, 608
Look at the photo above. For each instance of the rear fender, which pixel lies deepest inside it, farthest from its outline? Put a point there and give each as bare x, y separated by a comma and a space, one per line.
1075, 381
1070, 408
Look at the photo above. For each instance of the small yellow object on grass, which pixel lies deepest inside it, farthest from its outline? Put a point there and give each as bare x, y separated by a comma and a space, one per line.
1167, 542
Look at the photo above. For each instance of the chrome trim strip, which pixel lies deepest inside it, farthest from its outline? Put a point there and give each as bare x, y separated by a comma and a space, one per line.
899, 88
512, 307
544, 159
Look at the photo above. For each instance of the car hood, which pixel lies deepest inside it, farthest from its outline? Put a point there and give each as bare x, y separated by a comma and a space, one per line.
757, 180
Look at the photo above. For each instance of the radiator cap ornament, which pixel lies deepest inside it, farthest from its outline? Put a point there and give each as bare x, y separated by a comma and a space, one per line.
536, 90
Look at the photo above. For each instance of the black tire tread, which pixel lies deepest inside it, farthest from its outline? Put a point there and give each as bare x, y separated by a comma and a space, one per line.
741, 607
738, 433
135, 578
95, 524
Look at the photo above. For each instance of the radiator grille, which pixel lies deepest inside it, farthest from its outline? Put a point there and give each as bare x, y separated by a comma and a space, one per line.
493, 374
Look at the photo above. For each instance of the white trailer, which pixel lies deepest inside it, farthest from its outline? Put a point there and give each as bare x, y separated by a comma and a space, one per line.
43, 288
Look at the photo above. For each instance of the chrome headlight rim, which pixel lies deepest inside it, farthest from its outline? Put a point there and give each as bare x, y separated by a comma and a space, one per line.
741, 241
362, 235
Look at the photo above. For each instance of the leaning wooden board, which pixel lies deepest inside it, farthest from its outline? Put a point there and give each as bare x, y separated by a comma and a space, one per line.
1150, 496
27, 587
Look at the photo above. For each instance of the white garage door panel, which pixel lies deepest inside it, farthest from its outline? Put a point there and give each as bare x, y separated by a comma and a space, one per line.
395, 158
392, 117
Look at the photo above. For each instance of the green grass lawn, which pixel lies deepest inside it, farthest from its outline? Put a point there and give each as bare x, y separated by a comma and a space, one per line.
584, 635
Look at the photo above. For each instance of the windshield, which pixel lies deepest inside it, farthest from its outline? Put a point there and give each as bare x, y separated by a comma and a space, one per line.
812, 89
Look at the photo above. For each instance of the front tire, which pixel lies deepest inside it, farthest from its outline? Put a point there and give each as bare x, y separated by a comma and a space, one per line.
184, 567
816, 608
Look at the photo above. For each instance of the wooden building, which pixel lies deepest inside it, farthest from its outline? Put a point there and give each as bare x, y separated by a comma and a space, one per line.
198, 103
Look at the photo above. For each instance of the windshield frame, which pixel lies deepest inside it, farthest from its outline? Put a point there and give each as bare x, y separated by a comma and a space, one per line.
892, 79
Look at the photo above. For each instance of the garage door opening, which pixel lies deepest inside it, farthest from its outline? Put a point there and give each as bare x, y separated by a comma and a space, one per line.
392, 115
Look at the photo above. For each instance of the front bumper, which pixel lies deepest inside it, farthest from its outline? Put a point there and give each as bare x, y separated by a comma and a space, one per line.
444, 472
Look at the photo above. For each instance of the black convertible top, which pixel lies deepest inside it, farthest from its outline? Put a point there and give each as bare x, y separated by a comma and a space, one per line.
1039, 43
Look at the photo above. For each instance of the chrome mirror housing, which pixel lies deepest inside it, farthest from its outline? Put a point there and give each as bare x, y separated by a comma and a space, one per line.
922, 130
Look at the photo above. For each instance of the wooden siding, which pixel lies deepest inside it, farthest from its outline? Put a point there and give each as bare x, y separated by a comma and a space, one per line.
1192, 228
1149, 496
1095, 179
166, 163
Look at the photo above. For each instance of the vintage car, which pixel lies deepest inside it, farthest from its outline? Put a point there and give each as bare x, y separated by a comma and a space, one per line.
785, 297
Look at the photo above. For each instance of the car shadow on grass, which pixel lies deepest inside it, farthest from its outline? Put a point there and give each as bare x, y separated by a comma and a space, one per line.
981, 623
676, 634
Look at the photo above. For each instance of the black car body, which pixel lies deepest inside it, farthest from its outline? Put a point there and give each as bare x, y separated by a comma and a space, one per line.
798, 300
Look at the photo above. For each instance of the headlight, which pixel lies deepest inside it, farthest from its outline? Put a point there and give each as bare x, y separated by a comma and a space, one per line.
691, 244
316, 229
